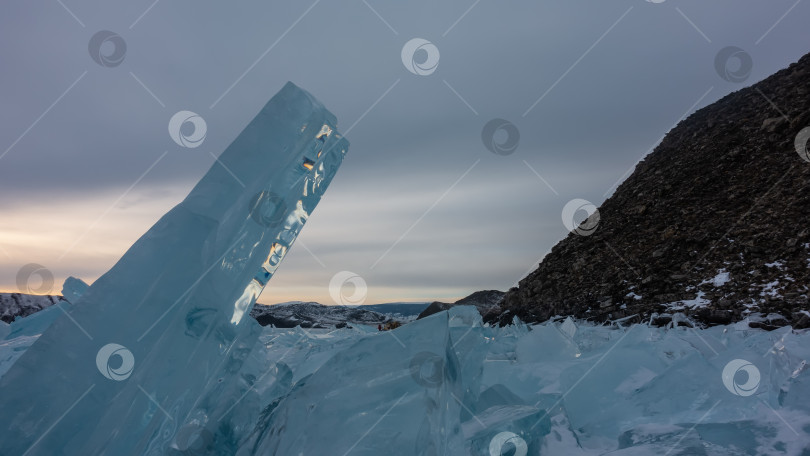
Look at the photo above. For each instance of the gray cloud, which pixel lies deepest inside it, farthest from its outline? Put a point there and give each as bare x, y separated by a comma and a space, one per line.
608, 98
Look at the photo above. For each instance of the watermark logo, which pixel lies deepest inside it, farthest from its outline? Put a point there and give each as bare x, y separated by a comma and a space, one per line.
508, 140
745, 386
25, 283
347, 279
733, 64
187, 129
115, 370
107, 48
586, 226
505, 442
802, 138
427, 369
420, 56
267, 209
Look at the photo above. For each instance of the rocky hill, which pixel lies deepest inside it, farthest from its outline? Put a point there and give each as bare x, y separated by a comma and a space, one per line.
713, 224
487, 302
13, 305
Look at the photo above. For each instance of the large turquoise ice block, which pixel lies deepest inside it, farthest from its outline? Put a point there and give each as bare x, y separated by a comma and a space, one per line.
120, 372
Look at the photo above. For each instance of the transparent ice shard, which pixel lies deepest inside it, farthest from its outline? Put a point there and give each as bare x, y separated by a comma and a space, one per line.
568, 327
170, 316
446, 385
394, 393
73, 289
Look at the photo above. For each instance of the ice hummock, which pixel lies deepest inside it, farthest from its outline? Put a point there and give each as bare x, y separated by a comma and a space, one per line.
446, 384
153, 347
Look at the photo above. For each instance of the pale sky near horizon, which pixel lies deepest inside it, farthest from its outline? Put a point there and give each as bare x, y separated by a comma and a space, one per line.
420, 209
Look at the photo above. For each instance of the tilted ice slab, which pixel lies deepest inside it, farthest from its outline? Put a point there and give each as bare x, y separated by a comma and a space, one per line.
135, 364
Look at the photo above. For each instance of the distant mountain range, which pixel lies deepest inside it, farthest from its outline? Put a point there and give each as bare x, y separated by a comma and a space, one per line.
315, 315
13, 305
285, 315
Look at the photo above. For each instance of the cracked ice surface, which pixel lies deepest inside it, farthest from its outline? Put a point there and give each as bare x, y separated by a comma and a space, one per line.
448, 385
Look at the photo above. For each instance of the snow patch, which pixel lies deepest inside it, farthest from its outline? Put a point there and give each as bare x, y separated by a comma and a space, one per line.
770, 289
722, 278
698, 302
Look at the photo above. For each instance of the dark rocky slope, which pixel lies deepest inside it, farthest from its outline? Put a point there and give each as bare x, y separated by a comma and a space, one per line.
486, 301
713, 223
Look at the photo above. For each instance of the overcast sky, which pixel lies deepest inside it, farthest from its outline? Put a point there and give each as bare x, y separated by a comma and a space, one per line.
420, 208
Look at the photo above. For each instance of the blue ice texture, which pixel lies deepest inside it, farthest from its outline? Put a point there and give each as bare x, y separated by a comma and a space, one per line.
131, 363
